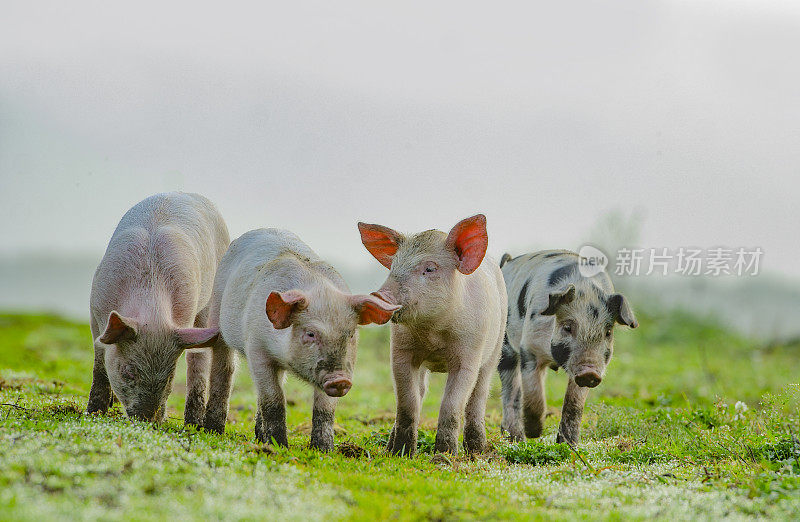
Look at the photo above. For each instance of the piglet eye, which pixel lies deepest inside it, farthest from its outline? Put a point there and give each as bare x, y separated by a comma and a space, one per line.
310, 334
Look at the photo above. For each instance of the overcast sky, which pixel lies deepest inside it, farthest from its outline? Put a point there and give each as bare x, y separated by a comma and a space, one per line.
312, 116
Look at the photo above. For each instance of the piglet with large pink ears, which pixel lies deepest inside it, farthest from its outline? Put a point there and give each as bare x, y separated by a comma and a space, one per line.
452, 320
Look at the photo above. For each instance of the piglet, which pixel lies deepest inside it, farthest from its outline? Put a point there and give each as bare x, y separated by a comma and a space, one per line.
149, 303
560, 318
276, 302
452, 320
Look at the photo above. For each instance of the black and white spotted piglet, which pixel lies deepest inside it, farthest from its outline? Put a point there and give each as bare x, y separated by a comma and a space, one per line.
556, 318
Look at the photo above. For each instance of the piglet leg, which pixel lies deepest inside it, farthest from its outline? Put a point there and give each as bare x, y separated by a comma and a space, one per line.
100, 395
534, 405
475, 413
407, 387
322, 421
198, 365
571, 413
460, 383
511, 390
271, 417
223, 366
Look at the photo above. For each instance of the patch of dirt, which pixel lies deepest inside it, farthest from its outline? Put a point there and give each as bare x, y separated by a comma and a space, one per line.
624, 444
493, 457
553, 412
352, 451
429, 424
22, 382
266, 449
305, 429
64, 407
13, 384
441, 459
381, 418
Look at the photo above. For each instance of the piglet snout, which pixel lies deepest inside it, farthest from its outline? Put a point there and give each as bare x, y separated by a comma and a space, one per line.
385, 296
588, 379
337, 387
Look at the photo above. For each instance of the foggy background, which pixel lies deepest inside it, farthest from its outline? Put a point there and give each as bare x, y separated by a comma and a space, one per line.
652, 124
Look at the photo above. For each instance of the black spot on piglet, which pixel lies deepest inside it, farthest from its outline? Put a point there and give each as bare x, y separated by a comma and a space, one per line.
509, 358
527, 359
561, 273
521, 299
560, 352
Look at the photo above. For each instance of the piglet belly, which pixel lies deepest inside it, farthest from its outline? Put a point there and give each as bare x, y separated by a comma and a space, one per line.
436, 364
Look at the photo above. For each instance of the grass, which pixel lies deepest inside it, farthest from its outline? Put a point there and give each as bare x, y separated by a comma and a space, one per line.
691, 422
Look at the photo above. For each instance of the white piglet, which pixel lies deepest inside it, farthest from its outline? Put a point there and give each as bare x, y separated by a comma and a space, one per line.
149, 303
276, 302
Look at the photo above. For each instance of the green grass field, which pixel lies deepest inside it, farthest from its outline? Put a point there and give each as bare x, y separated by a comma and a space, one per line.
691, 422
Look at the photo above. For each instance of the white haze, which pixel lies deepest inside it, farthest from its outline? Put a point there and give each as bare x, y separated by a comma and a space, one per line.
315, 115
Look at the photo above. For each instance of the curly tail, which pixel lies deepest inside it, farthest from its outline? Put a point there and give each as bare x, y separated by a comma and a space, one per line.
505, 259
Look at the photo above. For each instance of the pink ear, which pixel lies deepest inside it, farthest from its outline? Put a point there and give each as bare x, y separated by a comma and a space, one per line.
196, 337
280, 306
372, 310
469, 239
382, 242
119, 328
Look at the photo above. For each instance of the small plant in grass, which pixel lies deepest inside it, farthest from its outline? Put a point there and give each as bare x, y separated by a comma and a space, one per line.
640, 456
378, 437
536, 453
705, 418
786, 450
426, 440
